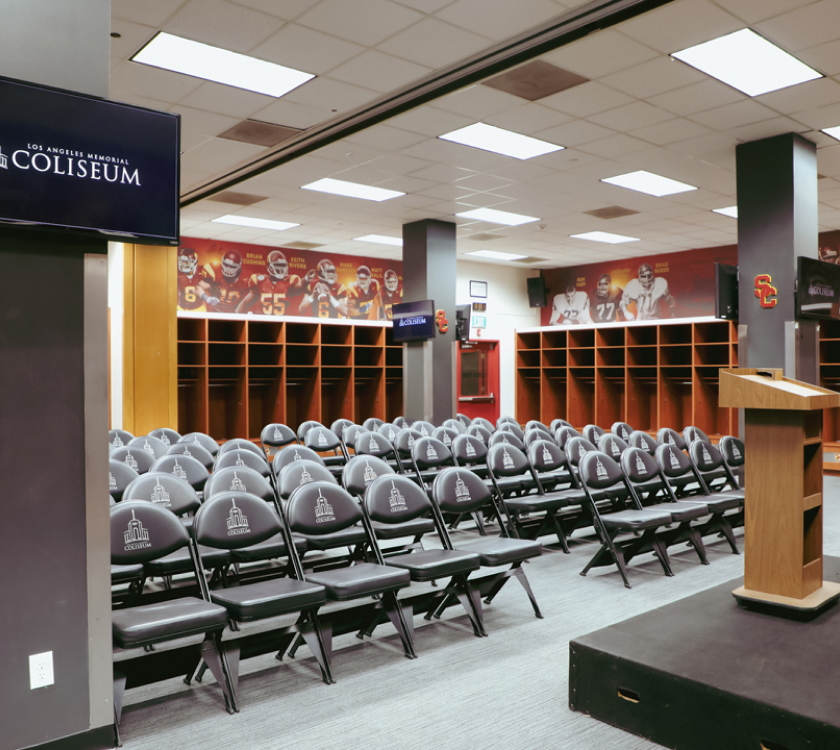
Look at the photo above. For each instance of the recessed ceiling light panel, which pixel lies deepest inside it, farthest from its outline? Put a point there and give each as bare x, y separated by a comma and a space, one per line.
747, 62
649, 183
495, 255
500, 141
191, 58
352, 190
833, 132
380, 239
497, 217
249, 221
731, 211
608, 237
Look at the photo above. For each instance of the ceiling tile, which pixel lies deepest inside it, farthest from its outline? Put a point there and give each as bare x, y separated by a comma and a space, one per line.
505, 19
305, 49
386, 138
430, 121
600, 54
653, 77
483, 183
574, 133
433, 43
631, 116
132, 37
259, 133
697, 97
752, 11
807, 95
288, 9
824, 57
586, 99
293, 115
528, 118
669, 132
803, 27
378, 71
765, 129
733, 115
149, 12
522, 171
366, 22
399, 164
425, 6
153, 83
615, 145
222, 24
226, 100
478, 102
325, 92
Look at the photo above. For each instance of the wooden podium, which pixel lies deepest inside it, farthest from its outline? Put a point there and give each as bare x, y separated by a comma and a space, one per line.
783, 522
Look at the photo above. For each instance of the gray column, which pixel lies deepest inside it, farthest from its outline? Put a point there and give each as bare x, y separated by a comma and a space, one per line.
429, 269
53, 402
777, 222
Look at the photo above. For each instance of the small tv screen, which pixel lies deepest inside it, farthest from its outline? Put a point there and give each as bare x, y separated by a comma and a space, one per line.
817, 289
88, 165
726, 291
414, 321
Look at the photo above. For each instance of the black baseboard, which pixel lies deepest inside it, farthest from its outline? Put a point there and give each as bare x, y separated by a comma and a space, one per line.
101, 738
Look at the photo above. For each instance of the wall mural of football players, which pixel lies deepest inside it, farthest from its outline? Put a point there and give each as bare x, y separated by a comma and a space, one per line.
604, 300
362, 295
571, 308
223, 285
274, 293
651, 295
324, 296
390, 295
188, 278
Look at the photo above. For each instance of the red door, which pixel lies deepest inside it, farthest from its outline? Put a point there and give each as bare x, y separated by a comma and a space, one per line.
478, 379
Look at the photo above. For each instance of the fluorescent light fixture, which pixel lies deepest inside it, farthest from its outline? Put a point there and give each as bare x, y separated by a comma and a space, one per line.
496, 255
747, 62
497, 217
248, 221
608, 237
731, 211
352, 190
219, 65
380, 239
833, 132
500, 141
647, 182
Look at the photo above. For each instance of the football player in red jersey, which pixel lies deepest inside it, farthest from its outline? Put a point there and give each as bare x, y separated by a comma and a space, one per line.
273, 291
390, 295
604, 301
188, 278
223, 286
362, 294
325, 296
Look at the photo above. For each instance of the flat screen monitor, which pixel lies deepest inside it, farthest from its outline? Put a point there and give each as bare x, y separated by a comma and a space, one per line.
414, 321
817, 289
726, 291
88, 165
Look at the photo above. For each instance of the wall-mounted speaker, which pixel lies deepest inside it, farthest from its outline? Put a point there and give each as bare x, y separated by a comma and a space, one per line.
536, 291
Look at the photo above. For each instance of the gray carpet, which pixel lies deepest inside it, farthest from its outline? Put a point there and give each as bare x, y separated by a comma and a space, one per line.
509, 690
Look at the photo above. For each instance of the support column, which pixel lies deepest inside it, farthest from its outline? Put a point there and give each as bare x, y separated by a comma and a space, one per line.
429, 269
777, 222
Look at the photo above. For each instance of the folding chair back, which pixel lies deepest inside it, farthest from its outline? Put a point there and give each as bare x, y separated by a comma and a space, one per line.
292, 453
691, 433
166, 435
577, 448
299, 473
459, 491
507, 438
406, 439
564, 435
120, 476
275, 436
622, 430
709, 462
194, 451
242, 458
233, 520
446, 435
599, 472
513, 428
536, 433
135, 458
485, 423
430, 453
454, 424
373, 444
505, 418
142, 531
639, 439
360, 474
154, 447
506, 461
165, 490
119, 438
463, 419
389, 432
396, 499
202, 439
373, 423
321, 439
351, 434
322, 507
467, 449
238, 444
305, 427
556, 424
612, 445
338, 426
183, 467
239, 479
400, 422
593, 433
667, 436
424, 428
732, 450
532, 423
639, 466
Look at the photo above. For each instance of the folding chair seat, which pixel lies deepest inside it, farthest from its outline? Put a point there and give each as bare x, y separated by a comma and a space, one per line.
120, 475
424, 428
321, 439
622, 430
593, 433
240, 458
556, 424
668, 436
375, 444
486, 424
119, 438
184, 467
533, 434
373, 423
639, 439
611, 445
338, 426
457, 491
238, 444
202, 439
463, 419
152, 445
732, 450
564, 434
454, 424
142, 532
304, 427
509, 427
166, 435
532, 423
691, 433
446, 435
135, 458
236, 521
206, 458
323, 508
601, 476
676, 466
653, 492
275, 436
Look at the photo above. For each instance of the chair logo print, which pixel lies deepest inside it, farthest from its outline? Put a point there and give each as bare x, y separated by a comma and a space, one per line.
675, 463
323, 510
446, 439
136, 537
423, 431
624, 434
669, 438
706, 456
178, 470
369, 475
411, 441
391, 434
581, 451
130, 460
600, 471
614, 449
640, 465
237, 522
160, 496
164, 439
546, 456
431, 453
507, 461
237, 485
735, 452
462, 492
117, 442
187, 452
239, 461
470, 449
277, 435
373, 445
112, 480
322, 438
196, 440
504, 439
305, 477
397, 500
297, 455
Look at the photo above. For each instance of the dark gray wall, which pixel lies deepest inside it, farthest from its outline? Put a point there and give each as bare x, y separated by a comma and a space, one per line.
429, 270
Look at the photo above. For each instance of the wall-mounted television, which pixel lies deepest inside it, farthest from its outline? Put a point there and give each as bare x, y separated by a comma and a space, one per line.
88, 165
726, 291
414, 321
817, 289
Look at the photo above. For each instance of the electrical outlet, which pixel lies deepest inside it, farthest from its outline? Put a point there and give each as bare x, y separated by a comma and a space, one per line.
41, 670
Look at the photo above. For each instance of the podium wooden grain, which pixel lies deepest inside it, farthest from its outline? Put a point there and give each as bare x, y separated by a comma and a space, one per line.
783, 479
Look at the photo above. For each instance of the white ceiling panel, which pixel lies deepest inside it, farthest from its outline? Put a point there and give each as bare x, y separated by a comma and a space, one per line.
149, 12
506, 19
366, 22
803, 27
386, 138
430, 121
697, 97
434, 43
808, 95
222, 24
153, 83
600, 54
378, 71
575, 133
752, 11
527, 118
653, 77
132, 36
225, 100
631, 116
586, 99
824, 57
615, 145
306, 49
293, 115
733, 115
478, 102
287, 9
671, 131
335, 95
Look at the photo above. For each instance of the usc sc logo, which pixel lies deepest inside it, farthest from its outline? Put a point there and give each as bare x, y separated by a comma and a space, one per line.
442, 322
764, 290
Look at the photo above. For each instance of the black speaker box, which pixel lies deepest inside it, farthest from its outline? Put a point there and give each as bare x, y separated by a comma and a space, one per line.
536, 292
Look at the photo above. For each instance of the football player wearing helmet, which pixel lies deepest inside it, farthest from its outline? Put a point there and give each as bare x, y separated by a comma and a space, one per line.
223, 286
188, 278
571, 308
362, 294
604, 301
649, 293
325, 296
276, 291
390, 295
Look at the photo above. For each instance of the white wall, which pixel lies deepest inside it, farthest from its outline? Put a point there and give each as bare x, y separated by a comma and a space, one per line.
115, 306
507, 310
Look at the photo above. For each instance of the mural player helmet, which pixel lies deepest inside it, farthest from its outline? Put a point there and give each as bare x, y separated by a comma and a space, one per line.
646, 275
326, 271
363, 277
187, 260
231, 264
392, 281
278, 266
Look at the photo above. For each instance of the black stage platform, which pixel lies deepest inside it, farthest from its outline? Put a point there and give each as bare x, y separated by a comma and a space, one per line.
704, 674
